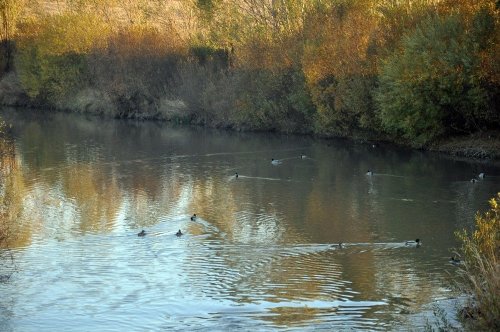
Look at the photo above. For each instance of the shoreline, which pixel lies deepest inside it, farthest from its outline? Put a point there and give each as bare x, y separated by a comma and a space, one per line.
478, 147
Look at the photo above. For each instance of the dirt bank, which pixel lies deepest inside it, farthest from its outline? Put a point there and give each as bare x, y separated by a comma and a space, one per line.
482, 145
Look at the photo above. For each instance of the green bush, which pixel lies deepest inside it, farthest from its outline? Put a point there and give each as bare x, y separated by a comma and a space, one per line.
49, 78
345, 106
432, 85
52, 53
277, 101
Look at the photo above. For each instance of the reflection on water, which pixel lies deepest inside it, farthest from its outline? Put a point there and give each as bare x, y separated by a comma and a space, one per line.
264, 251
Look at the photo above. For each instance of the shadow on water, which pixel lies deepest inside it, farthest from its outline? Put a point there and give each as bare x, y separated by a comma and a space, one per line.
263, 252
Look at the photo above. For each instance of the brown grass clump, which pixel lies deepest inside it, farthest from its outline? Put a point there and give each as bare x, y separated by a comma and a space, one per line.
480, 271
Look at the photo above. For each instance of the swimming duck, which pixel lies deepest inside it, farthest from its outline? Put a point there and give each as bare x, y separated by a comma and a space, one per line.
473, 180
368, 172
481, 175
303, 156
179, 233
455, 261
142, 233
340, 245
236, 175
193, 217
415, 243
275, 161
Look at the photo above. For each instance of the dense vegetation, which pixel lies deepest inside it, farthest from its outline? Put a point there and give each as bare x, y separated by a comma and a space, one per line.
413, 71
481, 269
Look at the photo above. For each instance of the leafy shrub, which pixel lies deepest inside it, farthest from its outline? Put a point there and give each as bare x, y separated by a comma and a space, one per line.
137, 68
430, 86
345, 105
481, 268
275, 101
51, 60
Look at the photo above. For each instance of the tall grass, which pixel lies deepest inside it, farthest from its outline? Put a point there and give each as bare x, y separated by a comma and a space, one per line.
480, 271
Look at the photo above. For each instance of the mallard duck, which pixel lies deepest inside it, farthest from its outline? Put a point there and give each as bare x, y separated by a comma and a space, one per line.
179, 233
415, 243
193, 217
369, 173
275, 161
303, 156
455, 261
473, 180
142, 233
481, 175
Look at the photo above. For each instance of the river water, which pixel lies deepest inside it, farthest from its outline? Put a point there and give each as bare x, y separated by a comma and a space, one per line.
263, 251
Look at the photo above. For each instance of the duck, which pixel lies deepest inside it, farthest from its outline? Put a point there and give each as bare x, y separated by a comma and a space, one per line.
236, 175
455, 261
193, 217
142, 233
415, 243
275, 161
481, 175
303, 156
369, 173
179, 233
473, 180
339, 245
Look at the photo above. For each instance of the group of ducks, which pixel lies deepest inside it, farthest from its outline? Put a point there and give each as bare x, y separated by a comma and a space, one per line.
178, 234
417, 243
143, 233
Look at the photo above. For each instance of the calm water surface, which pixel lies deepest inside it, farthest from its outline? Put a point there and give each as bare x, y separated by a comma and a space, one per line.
75, 192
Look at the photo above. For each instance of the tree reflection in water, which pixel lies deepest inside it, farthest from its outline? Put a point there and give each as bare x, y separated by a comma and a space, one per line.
77, 191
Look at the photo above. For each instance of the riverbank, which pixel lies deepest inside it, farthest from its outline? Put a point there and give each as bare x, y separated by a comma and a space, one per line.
483, 146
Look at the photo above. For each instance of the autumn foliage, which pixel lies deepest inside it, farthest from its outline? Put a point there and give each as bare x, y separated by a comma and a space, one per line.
481, 269
403, 70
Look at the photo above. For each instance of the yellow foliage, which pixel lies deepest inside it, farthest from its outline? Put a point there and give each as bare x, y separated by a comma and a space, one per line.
340, 45
465, 7
481, 268
67, 33
138, 40
485, 239
9, 14
270, 54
